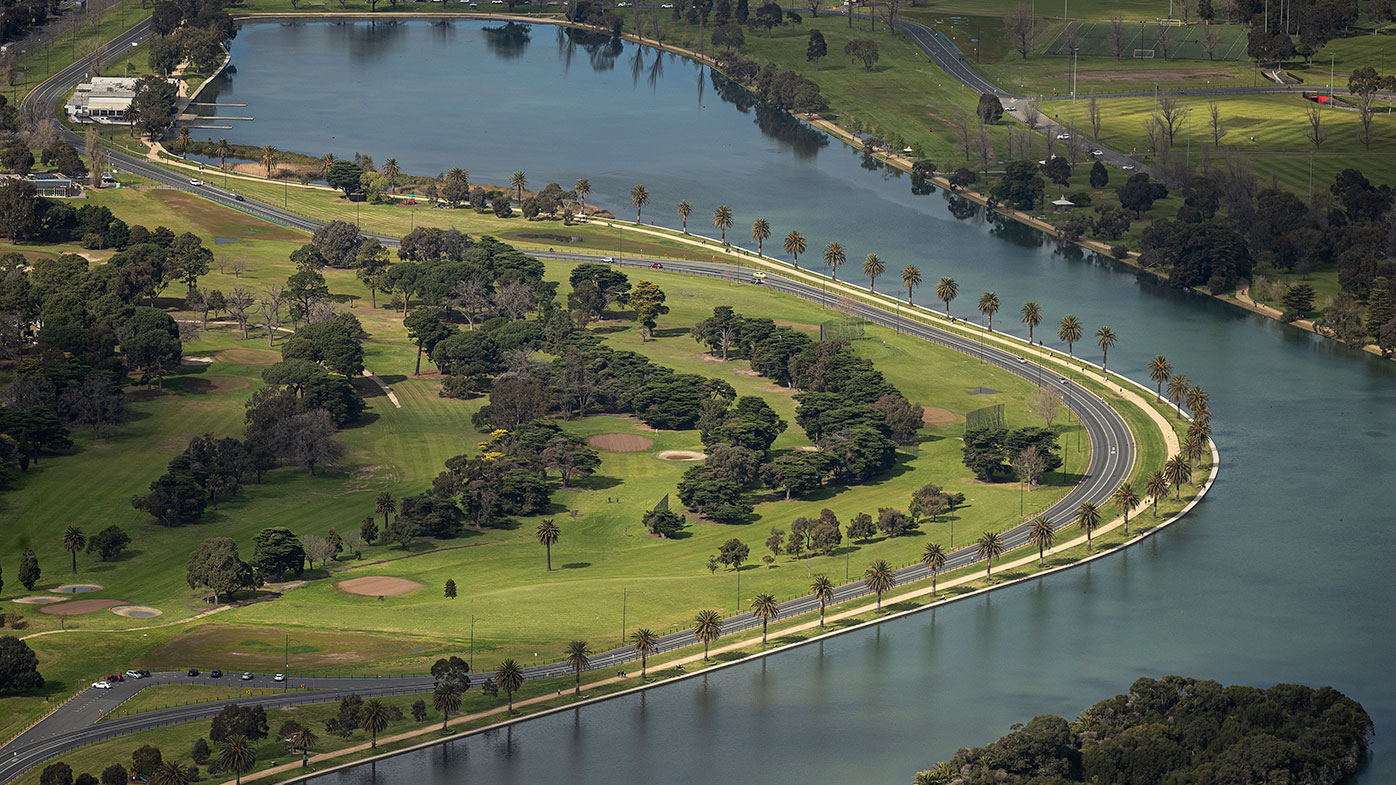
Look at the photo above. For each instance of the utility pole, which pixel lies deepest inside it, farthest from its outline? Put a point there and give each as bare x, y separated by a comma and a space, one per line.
625, 593
472, 640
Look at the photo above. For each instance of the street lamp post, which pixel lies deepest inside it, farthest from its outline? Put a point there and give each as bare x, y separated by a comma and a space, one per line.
624, 595
472, 640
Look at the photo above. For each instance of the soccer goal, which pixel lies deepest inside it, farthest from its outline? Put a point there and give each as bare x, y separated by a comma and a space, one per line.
1143, 54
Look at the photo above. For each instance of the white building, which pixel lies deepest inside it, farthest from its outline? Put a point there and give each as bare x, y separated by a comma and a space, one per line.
105, 99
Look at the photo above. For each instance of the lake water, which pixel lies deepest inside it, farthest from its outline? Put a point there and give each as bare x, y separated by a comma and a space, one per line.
1283, 575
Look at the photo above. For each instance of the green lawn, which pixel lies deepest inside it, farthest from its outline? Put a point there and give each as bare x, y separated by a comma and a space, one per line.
167, 695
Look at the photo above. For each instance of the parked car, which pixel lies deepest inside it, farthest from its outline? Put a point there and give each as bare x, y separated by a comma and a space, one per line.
1010, 108
102, 685
145, 674
135, 674
1063, 137
1128, 167
215, 674
247, 675
193, 671
114, 677
279, 677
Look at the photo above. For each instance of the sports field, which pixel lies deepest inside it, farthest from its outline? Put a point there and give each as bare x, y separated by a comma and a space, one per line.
1146, 40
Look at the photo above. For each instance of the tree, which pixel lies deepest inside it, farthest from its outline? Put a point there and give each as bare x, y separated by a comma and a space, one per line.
304, 739
648, 301
450, 589
685, 210
1157, 487
28, 569
1019, 26
115, 774
1178, 388
834, 256
1032, 317
426, 328
989, 305
267, 157
237, 755
1126, 499
519, 181
73, 541
1069, 329
108, 543
1020, 186
707, 627
56, 774
510, 677
1041, 534
722, 219
795, 245
817, 49
760, 232
277, 552
344, 176
823, 590
988, 547
375, 719
947, 290
1105, 338
864, 49
639, 196
19, 666
1139, 193
765, 608
861, 527
879, 578
733, 553
933, 557
152, 109
873, 267
548, 534
446, 698
215, 565
1044, 402
1315, 132
312, 440
1088, 518
578, 655
989, 108
582, 188
664, 523
729, 37
1160, 370
911, 278
1178, 472
249, 722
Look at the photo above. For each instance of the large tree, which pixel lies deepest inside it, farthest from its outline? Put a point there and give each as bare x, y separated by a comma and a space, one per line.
19, 666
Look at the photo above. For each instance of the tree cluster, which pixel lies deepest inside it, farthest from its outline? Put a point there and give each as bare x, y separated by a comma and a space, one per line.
988, 452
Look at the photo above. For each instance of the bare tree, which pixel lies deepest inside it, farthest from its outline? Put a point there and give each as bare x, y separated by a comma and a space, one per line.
9, 66
1210, 40
237, 267
1116, 40
1187, 11
1153, 131
985, 145
1051, 139
1044, 403
1217, 130
1031, 114
1170, 114
312, 440
1365, 110
1028, 466
1163, 44
1315, 133
1093, 112
960, 120
1019, 26
473, 299
514, 299
1075, 150
272, 299
317, 548
98, 160
813, 7
240, 302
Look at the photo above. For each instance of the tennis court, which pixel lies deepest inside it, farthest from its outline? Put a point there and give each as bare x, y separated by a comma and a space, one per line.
1145, 41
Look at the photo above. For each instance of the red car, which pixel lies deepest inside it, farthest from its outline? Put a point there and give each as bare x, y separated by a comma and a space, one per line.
657, 266
115, 677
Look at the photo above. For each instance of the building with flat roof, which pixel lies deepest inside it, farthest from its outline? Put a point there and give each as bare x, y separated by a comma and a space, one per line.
105, 99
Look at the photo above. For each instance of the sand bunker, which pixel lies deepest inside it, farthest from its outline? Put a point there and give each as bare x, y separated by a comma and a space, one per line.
196, 361
76, 588
934, 415
378, 586
79, 607
39, 600
681, 455
249, 356
135, 611
215, 384
620, 442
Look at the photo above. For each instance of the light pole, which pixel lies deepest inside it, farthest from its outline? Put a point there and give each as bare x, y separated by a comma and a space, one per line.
624, 595
286, 660
472, 640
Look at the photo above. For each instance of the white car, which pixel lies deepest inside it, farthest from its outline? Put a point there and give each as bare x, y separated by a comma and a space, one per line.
1063, 137
197, 183
666, 5
1010, 108
1128, 167
133, 674
247, 675
279, 677
101, 685
1097, 153
608, 260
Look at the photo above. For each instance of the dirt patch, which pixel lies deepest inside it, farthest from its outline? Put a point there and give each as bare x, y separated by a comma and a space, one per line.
249, 356
39, 600
807, 448
1144, 75
620, 442
801, 326
378, 586
746, 372
79, 607
681, 455
136, 611
934, 415
215, 384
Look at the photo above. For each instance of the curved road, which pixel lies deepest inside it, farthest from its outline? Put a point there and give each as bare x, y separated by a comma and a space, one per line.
72, 725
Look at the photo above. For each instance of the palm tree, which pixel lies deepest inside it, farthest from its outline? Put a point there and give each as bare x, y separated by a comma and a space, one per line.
834, 256
446, 699
456, 176
223, 150
1032, 317
934, 559
1069, 329
879, 578
1177, 470
911, 278
1041, 534
579, 657
873, 267
548, 534
73, 541
643, 641
510, 677
707, 626
765, 608
304, 740
1157, 487
947, 290
795, 245
1126, 499
171, 773
722, 219
375, 719
520, 181
639, 196
391, 171
582, 188
823, 590
268, 157
1160, 369
685, 210
1197, 399
1178, 388
988, 547
760, 232
1088, 518
383, 505
1105, 338
1192, 447
989, 305
237, 755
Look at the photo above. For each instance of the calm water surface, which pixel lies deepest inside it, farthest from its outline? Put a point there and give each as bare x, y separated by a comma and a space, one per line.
1283, 575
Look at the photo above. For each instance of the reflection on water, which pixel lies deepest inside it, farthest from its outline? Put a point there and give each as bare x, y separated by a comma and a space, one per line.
508, 41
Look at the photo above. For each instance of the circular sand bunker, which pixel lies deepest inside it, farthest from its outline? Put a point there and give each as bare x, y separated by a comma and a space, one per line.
681, 455
378, 586
39, 600
76, 588
79, 607
215, 384
135, 611
934, 415
620, 442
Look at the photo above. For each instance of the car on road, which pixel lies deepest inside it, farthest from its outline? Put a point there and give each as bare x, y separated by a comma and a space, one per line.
247, 675
1097, 153
196, 183
1022, 359
607, 260
114, 677
1063, 380
666, 5
657, 266
1128, 167
193, 671
239, 198
215, 674
1010, 108
1063, 137
102, 685
135, 674
279, 677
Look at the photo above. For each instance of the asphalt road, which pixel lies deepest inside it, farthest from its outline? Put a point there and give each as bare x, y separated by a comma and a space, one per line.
75, 724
